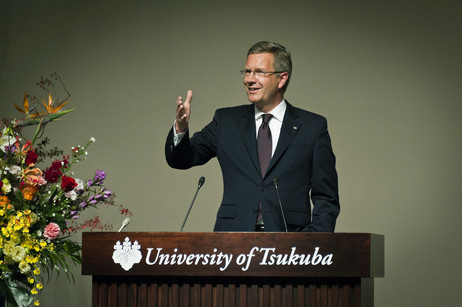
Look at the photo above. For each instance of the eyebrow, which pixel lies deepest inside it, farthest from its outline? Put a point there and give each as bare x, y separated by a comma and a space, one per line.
257, 69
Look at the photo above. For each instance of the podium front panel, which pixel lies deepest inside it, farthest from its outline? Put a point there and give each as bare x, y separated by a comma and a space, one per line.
233, 254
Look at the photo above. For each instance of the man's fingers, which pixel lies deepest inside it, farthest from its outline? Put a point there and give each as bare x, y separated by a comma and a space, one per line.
179, 101
189, 96
183, 108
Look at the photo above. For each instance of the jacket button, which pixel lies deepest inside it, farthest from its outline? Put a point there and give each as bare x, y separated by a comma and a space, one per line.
262, 189
254, 210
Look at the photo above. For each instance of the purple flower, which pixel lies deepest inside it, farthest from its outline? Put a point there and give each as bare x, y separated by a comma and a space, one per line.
74, 214
9, 149
99, 176
83, 205
107, 194
91, 200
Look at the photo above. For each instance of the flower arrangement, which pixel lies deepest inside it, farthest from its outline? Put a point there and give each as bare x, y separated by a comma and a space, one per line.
40, 205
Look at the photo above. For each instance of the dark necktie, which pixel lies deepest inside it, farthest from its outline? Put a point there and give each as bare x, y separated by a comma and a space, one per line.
264, 144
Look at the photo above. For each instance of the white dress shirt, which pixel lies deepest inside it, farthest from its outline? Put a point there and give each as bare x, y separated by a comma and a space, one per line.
274, 123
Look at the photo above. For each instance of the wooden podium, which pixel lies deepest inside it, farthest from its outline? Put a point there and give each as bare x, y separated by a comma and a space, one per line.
232, 268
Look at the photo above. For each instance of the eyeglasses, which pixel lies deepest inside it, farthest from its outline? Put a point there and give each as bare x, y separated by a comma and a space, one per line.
258, 73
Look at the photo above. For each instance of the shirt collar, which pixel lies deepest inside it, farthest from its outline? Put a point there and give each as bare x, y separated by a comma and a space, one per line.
277, 112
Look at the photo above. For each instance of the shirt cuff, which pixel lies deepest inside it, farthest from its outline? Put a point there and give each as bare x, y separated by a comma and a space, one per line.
177, 137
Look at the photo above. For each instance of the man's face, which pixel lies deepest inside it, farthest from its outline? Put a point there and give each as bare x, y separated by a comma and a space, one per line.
263, 91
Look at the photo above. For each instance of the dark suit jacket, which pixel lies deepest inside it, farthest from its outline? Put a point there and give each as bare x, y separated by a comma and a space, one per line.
303, 164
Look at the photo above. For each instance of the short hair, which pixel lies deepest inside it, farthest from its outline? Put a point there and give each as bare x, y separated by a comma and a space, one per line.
282, 60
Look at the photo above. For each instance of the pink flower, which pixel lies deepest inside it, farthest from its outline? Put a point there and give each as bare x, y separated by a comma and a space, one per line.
51, 231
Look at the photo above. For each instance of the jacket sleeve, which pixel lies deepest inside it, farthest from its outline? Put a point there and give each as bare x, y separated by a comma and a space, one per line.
324, 188
197, 150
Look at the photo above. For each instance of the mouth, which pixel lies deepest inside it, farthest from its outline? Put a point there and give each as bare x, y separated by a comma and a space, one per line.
253, 90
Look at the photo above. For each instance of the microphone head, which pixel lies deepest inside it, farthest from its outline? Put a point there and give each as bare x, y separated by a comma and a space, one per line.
275, 180
124, 224
201, 181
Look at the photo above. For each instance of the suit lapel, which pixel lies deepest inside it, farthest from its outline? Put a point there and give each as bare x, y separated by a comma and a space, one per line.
247, 127
290, 127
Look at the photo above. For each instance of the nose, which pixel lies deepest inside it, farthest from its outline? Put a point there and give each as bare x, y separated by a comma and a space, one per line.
251, 78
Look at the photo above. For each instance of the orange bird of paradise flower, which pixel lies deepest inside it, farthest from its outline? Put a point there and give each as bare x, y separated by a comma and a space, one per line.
50, 108
26, 110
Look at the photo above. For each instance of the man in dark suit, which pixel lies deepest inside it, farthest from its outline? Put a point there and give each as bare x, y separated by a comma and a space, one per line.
295, 144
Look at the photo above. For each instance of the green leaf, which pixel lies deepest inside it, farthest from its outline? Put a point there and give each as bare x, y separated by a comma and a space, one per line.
14, 294
62, 259
28, 121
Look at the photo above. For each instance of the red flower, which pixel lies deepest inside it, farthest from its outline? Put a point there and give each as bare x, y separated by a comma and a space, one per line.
51, 231
53, 173
67, 184
31, 157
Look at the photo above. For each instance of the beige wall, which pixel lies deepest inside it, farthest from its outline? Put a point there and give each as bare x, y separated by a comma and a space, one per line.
386, 75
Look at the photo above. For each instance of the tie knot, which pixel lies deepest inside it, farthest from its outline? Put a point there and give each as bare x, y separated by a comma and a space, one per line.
266, 118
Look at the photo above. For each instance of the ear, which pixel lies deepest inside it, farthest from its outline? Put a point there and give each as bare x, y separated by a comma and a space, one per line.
283, 77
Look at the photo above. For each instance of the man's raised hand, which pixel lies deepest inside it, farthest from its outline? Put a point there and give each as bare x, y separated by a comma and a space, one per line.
183, 112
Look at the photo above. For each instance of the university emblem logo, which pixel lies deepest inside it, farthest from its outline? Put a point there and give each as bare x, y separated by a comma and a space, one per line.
127, 254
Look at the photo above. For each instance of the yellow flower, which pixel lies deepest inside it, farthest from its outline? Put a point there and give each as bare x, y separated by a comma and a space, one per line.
8, 248
34, 291
39, 286
36, 303
36, 271
6, 188
18, 254
24, 267
27, 243
15, 238
30, 280
30, 259
5, 231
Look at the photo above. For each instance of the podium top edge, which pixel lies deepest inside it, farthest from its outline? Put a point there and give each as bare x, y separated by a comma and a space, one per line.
234, 232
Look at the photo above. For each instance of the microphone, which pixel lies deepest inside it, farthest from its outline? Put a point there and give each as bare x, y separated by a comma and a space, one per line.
199, 185
275, 182
124, 224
